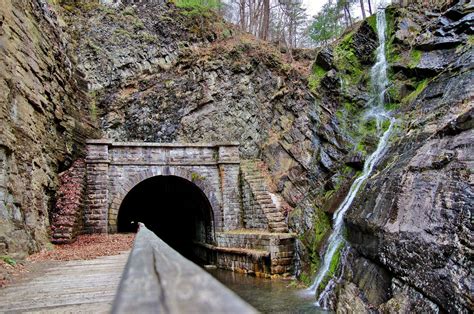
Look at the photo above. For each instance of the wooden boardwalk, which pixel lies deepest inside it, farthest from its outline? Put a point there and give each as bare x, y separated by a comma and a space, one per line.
68, 287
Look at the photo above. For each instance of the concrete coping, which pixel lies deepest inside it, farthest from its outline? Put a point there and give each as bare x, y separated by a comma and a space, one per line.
259, 233
110, 142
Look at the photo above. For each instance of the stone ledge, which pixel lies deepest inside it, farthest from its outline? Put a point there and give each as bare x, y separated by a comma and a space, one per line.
97, 161
259, 233
235, 250
141, 163
152, 144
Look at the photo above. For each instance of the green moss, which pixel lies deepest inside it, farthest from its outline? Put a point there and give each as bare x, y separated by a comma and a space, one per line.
226, 33
196, 177
321, 225
415, 57
313, 240
147, 37
391, 106
372, 21
305, 278
391, 50
316, 77
470, 40
128, 11
122, 32
333, 266
419, 88
346, 60
394, 92
138, 24
73, 5
9, 260
107, 10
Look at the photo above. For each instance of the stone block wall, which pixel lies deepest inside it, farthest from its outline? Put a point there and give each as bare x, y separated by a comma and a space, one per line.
114, 168
96, 212
244, 261
67, 219
280, 247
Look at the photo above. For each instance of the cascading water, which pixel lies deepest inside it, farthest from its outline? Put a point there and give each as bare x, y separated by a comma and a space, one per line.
376, 111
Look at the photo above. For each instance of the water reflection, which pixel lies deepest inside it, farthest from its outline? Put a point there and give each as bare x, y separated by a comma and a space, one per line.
267, 296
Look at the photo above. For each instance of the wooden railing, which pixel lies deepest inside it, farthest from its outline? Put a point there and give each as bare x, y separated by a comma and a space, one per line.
157, 279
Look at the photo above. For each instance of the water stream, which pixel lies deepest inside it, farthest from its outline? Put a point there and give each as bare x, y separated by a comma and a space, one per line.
375, 111
267, 295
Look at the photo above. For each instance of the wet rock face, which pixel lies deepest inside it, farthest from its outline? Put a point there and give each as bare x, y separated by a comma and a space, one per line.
43, 122
364, 43
413, 216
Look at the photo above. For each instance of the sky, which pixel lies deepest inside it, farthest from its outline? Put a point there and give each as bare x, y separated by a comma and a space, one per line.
313, 6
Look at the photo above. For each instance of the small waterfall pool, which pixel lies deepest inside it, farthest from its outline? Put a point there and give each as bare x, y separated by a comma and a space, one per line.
267, 295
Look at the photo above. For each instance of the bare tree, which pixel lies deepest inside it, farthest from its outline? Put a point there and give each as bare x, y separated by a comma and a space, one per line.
362, 9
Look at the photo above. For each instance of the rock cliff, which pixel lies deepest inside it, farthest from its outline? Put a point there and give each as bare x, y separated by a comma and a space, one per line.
44, 120
154, 72
159, 73
411, 225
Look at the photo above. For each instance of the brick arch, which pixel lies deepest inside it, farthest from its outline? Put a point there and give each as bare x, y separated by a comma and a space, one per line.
194, 177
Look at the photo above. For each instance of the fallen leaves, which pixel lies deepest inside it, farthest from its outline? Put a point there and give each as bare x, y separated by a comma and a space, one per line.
88, 246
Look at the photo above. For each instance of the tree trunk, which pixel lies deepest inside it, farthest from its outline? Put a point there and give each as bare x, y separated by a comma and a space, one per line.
242, 14
266, 19
370, 7
346, 7
346, 19
362, 9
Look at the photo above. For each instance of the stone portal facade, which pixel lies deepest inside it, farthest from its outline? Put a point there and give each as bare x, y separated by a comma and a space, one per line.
114, 168
249, 231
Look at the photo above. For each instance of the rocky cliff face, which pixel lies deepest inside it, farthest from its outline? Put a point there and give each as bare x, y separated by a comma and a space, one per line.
155, 72
163, 74
411, 225
43, 122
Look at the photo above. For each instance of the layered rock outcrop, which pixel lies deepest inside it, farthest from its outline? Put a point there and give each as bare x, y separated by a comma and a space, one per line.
161, 74
155, 72
44, 120
412, 222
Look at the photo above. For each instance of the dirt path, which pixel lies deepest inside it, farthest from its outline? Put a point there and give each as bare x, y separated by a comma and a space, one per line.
66, 286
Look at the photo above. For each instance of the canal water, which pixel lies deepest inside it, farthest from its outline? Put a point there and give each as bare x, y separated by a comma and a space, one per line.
267, 296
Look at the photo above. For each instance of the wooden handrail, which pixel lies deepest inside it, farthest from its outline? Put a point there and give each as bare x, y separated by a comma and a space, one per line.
157, 279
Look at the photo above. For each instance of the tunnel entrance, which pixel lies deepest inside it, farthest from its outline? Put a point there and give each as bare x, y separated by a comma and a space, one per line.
175, 209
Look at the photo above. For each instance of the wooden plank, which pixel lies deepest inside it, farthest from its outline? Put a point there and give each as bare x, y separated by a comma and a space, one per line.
67, 287
157, 279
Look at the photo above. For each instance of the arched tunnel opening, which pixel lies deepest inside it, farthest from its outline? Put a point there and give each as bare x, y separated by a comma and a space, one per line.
175, 209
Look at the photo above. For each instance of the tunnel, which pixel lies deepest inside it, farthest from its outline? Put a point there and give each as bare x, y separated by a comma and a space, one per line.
175, 209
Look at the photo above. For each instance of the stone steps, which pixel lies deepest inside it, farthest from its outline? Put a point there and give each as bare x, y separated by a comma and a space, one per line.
254, 177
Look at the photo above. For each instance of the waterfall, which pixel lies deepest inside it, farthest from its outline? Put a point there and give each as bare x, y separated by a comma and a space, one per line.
376, 111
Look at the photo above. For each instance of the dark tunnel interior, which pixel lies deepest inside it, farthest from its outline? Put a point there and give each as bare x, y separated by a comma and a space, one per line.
175, 209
